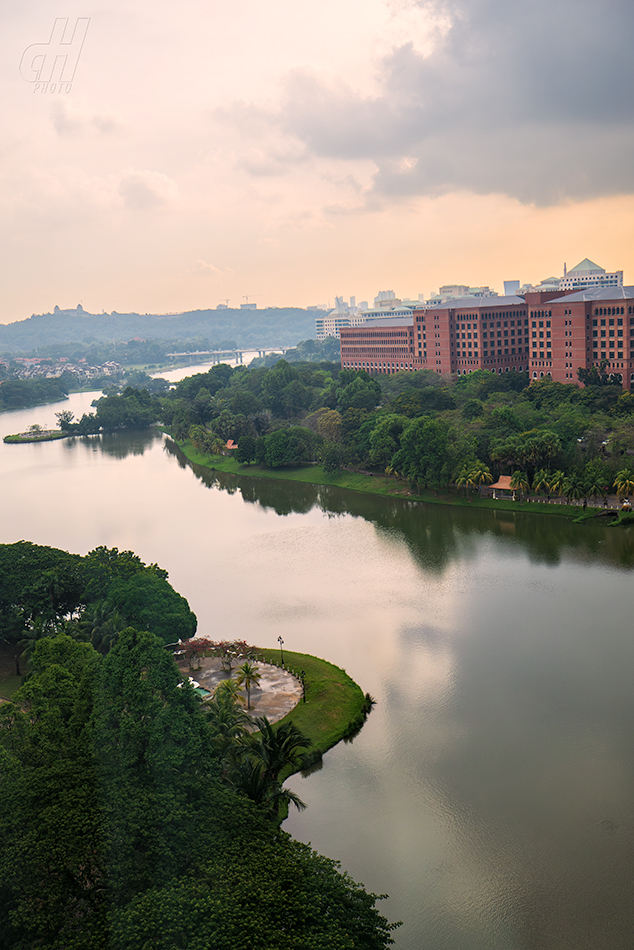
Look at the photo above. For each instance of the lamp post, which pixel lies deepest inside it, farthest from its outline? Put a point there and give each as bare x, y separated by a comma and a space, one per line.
302, 677
281, 643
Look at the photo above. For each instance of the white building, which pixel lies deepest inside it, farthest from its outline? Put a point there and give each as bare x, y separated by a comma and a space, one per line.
589, 274
344, 315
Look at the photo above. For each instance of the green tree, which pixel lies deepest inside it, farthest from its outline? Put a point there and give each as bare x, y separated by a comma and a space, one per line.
332, 458
556, 482
228, 722
278, 748
573, 488
424, 453
520, 483
385, 439
248, 676
480, 474
463, 479
624, 483
247, 450
541, 481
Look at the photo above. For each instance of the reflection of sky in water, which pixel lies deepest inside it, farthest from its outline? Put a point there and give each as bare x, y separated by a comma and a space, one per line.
490, 792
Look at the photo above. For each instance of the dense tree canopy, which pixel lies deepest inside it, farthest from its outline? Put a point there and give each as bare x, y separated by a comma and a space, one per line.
44, 590
422, 426
116, 831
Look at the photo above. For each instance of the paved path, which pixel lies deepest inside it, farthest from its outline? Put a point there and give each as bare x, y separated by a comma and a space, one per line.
277, 693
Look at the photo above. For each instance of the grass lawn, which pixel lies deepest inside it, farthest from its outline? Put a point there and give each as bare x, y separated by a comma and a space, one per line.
334, 707
373, 484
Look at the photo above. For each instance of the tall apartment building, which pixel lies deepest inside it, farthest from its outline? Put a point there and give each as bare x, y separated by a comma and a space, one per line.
542, 332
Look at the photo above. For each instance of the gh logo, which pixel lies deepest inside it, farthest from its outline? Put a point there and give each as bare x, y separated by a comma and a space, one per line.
52, 65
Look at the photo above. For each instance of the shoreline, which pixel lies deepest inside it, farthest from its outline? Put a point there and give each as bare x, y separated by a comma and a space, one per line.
335, 707
389, 488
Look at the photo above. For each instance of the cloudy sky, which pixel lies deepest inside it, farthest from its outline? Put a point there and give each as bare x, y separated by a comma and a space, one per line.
292, 150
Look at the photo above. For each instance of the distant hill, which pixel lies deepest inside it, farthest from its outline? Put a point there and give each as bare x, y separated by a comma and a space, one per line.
275, 326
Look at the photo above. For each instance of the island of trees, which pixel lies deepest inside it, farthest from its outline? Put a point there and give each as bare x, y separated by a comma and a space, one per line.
132, 814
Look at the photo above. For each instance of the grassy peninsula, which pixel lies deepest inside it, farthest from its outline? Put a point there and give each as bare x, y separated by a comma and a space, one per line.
335, 706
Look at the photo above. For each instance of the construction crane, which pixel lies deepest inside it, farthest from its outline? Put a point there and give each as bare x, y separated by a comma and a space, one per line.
246, 296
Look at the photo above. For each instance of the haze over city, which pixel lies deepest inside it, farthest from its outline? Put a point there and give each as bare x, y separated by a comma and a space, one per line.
287, 152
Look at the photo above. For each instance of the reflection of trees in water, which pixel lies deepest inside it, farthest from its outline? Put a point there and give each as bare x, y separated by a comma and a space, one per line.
435, 534
119, 445
539, 768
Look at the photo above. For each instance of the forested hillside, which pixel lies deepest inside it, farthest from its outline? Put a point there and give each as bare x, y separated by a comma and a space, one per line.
283, 326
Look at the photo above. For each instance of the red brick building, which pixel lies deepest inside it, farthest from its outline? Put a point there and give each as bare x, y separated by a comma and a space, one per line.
544, 333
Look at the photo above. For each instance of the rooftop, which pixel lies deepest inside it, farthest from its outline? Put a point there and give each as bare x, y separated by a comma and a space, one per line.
404, 321
586, 265
598, 293
460, 303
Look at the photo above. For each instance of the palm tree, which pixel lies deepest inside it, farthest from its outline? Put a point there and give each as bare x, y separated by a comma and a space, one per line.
573, 488
541, 481
624, 483
277, 749
101, 624
248, 778
556, 482
228, 722
463, 479
594, 487
520, 483
248, 676
480, 474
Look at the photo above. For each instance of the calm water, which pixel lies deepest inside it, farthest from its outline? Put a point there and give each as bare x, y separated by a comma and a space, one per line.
491, 793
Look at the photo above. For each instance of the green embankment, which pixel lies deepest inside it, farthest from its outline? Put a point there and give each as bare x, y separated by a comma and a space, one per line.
335, 706
372, 484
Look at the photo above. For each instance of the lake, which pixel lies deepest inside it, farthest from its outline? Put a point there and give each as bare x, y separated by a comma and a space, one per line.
490, 793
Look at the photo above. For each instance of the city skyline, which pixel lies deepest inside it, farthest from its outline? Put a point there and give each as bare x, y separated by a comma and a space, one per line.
287, 153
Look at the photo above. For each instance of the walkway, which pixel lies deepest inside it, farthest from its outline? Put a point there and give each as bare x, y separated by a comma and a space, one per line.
277, 693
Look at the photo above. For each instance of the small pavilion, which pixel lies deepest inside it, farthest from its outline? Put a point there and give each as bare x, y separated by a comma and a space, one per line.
502, 488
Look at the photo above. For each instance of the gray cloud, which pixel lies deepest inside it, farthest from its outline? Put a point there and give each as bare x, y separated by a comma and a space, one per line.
67, 123
534, 100
144, 190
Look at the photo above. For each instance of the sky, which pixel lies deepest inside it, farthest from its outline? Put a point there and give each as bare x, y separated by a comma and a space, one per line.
287, 151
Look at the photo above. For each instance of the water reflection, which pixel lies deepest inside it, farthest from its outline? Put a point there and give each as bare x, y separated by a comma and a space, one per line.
434, 534
118, 445
526, 752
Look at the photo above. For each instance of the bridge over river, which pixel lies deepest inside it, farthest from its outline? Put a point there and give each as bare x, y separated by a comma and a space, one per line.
219, 356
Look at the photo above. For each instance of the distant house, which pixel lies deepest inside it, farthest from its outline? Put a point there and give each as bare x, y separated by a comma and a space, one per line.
231, 445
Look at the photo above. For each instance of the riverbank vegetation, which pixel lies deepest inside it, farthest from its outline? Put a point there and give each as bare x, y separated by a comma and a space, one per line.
335, 706
22, 393
455, 437
127, 817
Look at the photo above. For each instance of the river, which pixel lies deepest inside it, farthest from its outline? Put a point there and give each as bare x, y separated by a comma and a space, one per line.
491, 792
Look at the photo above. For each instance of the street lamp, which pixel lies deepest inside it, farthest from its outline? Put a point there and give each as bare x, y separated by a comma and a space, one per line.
302, 678
281, 643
